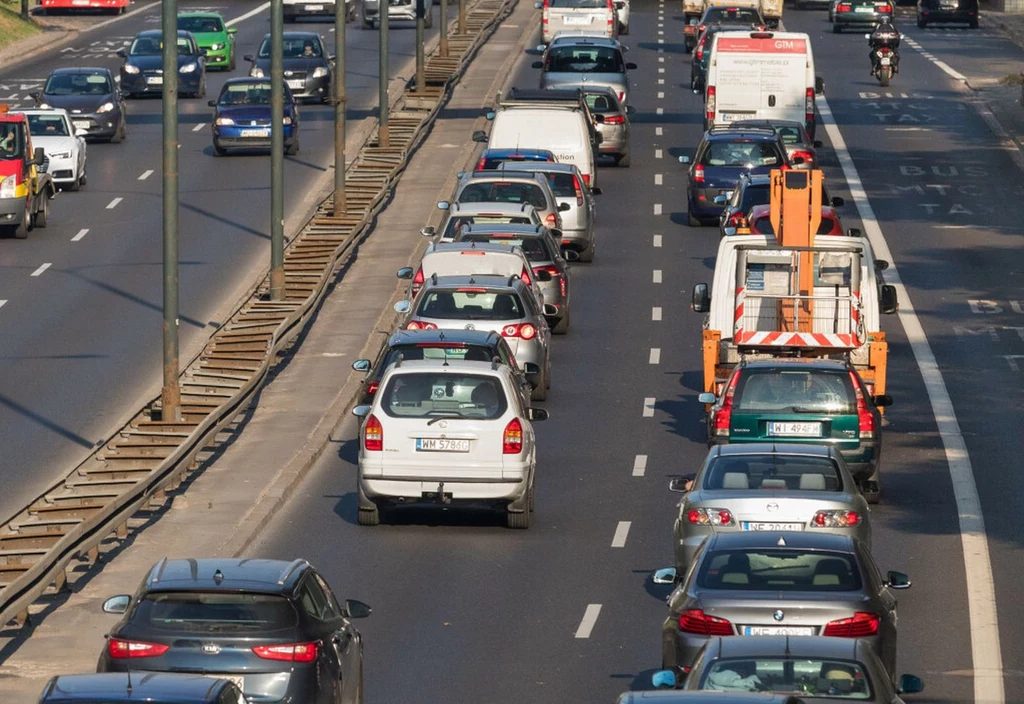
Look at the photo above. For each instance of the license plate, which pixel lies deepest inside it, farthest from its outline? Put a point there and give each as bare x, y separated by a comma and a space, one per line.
80, 2
885, 61
240, 681
296, 84
796, 430
155, 80
255, 133
576, 19
778, 631
81, 124
748, 525
441, 445
314, 8
864, 9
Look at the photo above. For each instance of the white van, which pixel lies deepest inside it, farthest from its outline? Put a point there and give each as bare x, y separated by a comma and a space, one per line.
761, 75
562, 130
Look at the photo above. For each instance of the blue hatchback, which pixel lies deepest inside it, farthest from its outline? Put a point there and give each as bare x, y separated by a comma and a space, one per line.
241, 117
722, 155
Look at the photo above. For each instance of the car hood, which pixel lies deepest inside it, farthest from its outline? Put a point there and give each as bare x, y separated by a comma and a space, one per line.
243, 113
78, 104
206, 39
54, 144
300, 64
150, 63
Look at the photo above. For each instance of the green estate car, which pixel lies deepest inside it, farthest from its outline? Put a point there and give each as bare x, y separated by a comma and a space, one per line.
212, 35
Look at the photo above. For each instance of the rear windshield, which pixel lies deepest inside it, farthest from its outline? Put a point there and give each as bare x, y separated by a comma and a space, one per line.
214, 612
468, 353
781, 570
438, 394
455, 224
492, 162
794, 391
563, 185
471, 305
763, 226
584, 59
294, 48
755, 195
773, 472
600, 103
744, 153
47, 126
78, 84
533, 247
504, 192
744, 15
834, 679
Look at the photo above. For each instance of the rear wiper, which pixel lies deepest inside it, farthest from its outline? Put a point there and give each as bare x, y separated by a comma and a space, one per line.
441, 415
805, 409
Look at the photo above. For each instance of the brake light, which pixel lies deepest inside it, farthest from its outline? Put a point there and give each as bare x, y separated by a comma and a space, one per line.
835, 519
481, 164
372, 387
419, 325
293, 652
861, 624
709, 104
884, 8
865, 418
544, 18
586, 179
471, 289
700, 50
622, 96
615, 120
512, 440
418, 278
724, 415
524, 331
373, 438
808, 157
550, 220
121, 649
696, 621
736, 220
844, 7
578, 189
698, 174
709, 517
809, 107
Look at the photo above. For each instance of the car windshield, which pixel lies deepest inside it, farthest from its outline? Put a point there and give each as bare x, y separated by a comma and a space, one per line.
744, 15
256, 93
12, 140
154, 46
563, 185
831, 679
78, 84
794, 391
471, 304
758, 194
601, 103
294, 48
584, 59
744, 153
779, 569
439, 394
773, 472
213, 612
48, 126
457, 223
201, 25
533, 247
504, 192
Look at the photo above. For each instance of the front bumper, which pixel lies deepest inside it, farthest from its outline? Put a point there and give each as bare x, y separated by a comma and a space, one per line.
299, 684
221, 58
63, 170
99, 125
310, 9
12, 211
248, 137
308, 87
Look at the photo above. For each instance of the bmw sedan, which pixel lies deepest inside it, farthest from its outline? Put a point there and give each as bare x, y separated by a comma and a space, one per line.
143, 74
307, 65
91, 97
241, 117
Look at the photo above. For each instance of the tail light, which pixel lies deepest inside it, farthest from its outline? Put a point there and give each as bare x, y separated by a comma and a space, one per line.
696, 621
419, 325
698, 174
611, 18
293, 652
551, 220
736, 220
576, 186
709, 517
418, 278
865, 418
709, 104
835, 519
563, 286
884, 8
861, 624
844, 7
524, 331
372, 387
809, 107
373, 438
586, 179
808, 157
700, 51
480, 165
724, 415
512, 440
544, 18
525, 277
550, 268
615, 120
121, 649
622, 96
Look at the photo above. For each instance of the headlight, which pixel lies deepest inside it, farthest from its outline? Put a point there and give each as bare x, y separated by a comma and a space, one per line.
319, 72
287, 120
128, 68
225, 121
106, 107
216, 47
256, 72
189, 68
59, 155
7, 187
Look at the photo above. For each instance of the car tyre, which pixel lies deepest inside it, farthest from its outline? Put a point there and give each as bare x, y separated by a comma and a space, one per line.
872, 492
587, 255
293, 148
540, 392
624, 30
21, 231
921, 24
521, 520
368, 517
219, 150
76, 184
42, 215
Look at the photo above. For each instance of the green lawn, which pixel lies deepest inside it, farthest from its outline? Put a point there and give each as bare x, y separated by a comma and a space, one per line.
12, 27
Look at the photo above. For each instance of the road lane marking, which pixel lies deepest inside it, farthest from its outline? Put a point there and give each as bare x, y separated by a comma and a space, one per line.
657, 208
649, 407
122, 17
657, 153
986, 652
639, 465
660, 111
589, 619
661, 95
657, 240
661, 31
621, 533
661, 59
656, 313
943, 66
146, 174
655, 357
198, 127
661, 81
247, 15
661, 69
657, 276
41, 269
659, 131
3, 302
657, 179
81, 233
113, 204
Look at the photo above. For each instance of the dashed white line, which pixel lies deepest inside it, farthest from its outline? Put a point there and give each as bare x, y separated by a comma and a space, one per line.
657, 179
589, 619
3, 302
113, 204
660, 111
661, 95
655, 356
657, 153
81, 233
657, 208
198, 127
656, 276
661, 41
621, 533
659, 131
661, 59
661, 31
639, 465
656, 313
146, 174
649, 407
661, 69
41, 269
657, 240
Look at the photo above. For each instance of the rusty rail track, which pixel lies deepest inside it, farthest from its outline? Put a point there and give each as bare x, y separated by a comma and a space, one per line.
149, 456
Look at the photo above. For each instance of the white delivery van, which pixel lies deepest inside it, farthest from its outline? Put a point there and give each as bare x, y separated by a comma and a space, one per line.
761, 75
562, 130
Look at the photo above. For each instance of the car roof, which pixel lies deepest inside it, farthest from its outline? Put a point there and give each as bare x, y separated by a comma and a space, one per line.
179, 688
773, 448
42, 111
797, 363
245, 79
80, 70
496, 208
236, 574
513, 151
488, 338
795, 646
489, 281
585, 39
720, 134
541, 166
200, 14
790, 540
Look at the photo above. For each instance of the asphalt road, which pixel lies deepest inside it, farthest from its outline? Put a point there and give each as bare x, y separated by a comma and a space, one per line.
80, 342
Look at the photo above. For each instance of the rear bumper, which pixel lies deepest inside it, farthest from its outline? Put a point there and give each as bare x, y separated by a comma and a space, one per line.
577, 239
406, 489
702, 202
943, 15
858, 20
302, 9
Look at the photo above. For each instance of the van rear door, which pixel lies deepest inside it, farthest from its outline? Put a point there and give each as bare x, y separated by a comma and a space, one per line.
578, 17
759, 76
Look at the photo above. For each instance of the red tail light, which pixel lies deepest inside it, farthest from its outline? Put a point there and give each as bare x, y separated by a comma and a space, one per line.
524, 331
808, 157
724, 415
809, 107
419, 325
373, 438
709, 517
293, 652
709, 104
512, 441
525, 277
550, 268
736, 220
700, 51
615, 120
884, 8
551, 220
865, 418
696, 621
835, 519
372, 387
121, 649
622, 96
860, 625
844, 7
586, 179
698, 174
418, 278
578, 188
481, 164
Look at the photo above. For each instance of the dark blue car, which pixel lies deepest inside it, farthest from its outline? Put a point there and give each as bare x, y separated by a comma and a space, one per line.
151, 687
143, 69
491, 158
722, 155
241, 117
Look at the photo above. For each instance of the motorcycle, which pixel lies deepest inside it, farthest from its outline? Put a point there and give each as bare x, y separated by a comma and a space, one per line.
885, 64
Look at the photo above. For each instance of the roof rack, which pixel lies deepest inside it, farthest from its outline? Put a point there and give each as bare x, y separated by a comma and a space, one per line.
159, 569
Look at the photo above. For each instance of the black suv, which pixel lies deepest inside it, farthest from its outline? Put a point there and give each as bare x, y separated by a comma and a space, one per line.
272, 627
947, 11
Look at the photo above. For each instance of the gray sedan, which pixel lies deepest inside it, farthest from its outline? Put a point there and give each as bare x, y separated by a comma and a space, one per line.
788, 584
774, 487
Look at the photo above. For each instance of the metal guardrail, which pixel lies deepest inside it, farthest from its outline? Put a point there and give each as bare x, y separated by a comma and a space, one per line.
147, 457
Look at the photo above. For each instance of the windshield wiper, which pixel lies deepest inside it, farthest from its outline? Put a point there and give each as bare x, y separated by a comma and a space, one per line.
805, 409
441, 415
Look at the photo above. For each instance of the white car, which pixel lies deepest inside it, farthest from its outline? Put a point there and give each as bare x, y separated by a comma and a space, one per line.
63, 145
447, 434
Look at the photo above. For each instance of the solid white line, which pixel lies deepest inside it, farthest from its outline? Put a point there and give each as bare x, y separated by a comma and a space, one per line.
113, 204
657, 208
986, 653
639, 465
657, 179
953, 73
248, 14
656, 313
589, 619
657, 276
655, 357
953, 227
657, 240
41, 269
621, 532
649, 407
146, 174
81, 233
198, 127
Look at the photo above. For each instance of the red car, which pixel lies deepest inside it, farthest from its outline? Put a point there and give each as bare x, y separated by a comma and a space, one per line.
759, 218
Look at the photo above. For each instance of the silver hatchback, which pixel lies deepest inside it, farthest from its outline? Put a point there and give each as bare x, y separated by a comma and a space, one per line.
570, 61
509, 187
614, 122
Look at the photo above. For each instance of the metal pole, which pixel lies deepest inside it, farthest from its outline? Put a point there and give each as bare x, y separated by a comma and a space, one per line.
383, 136
340, 106
24, 9
170, 397
420, 20
277, 284
462, 17
443, 46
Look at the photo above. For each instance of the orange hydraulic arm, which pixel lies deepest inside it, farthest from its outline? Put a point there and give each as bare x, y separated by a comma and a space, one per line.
795, 217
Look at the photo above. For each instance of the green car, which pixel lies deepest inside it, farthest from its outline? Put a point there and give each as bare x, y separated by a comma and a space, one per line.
212, 35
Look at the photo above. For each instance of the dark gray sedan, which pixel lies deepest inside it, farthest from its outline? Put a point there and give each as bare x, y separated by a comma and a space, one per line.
307, 65
769, 487
780, 584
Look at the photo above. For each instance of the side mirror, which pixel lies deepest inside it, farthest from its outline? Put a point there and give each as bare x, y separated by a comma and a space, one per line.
867, 36
536, 414
545, 276
531, 369
117, 604
681, 485
664, 679
480, 136
837, 202
232, 30
39, 156
550, 309
122, 53
248, 57
684, 160
797, 160
706, 397
361, 411
562, 207
81, 133
537, 64
720, 199
405, 272
402, 307
538, 5
356, 609
881, 264
490, 114
854, 232
598, 118
700, 302
897, 580
203, 52
443, 205
212, 103
665, 576
541, 47
888, 302
596, 190
819, 86
630, 66
361, 365
571, 255
882, 400
817, 144
37, 97
428, 231
909, 684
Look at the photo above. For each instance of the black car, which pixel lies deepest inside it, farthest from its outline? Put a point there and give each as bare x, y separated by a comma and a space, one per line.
142, 72
150, 687
754, 190
742, 18
92, 99
273, 627
947, 11
307, 65
859, 14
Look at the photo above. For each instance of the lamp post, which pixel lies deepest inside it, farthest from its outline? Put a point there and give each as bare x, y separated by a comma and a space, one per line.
277, 280
383, 136
340, 105
170, 396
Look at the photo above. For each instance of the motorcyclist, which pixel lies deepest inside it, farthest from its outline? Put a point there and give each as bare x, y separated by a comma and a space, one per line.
884, 34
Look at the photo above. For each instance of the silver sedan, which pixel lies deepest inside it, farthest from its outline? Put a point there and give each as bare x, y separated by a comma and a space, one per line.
775, 487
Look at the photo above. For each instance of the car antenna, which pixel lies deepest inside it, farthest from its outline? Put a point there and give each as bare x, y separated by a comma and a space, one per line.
787, 645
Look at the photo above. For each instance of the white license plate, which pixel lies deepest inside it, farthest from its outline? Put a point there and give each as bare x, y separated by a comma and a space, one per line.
314, 8
885, 61
795, 430
864, 9
80, 2
255, 133
81, 124
155, 80
778, 631
748, 525
576, 19
296, 84
441, 445
240, 681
